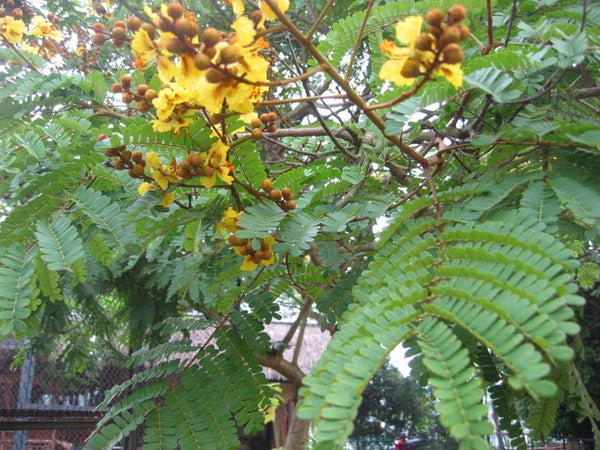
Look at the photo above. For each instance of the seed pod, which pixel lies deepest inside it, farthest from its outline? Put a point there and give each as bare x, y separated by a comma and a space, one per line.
175, 10
452, 54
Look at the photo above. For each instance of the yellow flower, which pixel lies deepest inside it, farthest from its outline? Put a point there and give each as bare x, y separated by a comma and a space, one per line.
250, 259
237, 6
452, 72
44, 28
174, 108
163, 174
230, 220
268, 13
407, 31
167, 198
217, 161
148, 51
12, 30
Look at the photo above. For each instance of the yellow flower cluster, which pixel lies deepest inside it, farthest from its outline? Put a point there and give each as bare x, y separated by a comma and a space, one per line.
254, 251
163, 175
208, 70
11, 29
434, 52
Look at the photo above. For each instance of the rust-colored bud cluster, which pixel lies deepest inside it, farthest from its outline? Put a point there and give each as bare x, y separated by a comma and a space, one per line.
244, 247
21, 12
143, 95
133, 162
444, 33
195, 165
283, 197
264, 123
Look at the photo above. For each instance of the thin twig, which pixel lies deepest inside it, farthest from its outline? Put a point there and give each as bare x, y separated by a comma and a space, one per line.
361, 31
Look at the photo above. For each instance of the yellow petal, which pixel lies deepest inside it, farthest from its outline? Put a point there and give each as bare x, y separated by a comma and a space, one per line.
153, 160
391, 71
144, 187
248, 264
408, 29
167, 199
452, 72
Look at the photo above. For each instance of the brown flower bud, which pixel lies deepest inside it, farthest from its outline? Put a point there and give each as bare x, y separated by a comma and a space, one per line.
176, 46
111, 152
126, 155
435, 31
230, 54
119, 34
214, 76
149, 28
138, 170
119, 164
291, 204
287, 193
271, 128
119, 24
256, 123
127, 98
451, 34
257, 133
457, 13
210, 37
175, 10
271, 117
126, 82
423, 42
256, 16
116, 88
144, 106
202, 61
102, 136
99, 39
150, 95
142, 89
134, 23
452, 54
276, 195
17, 13
196, 159
186, 27
411, 69
266, 185
464, 31
434, 17
137, 156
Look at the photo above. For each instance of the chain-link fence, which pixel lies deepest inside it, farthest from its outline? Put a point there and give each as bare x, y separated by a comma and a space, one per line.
43, 407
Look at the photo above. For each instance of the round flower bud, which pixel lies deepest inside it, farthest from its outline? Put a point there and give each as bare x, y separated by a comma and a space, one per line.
119, 24
271, 117
230, 54
256, 123
457, 13
452, 54
176, 46
133, 23
144, 106
110, 152
138, 170
127, 97
451, 34
464, 31
276, 195
126, 155
256, 16
423, 42
411, 69
187, 27
435, 31
271, 128
149, 28
266, 185
142, 89
434, 17
17, 13
202, 61
175, 10
257, 133
214, 76
119, 34
99, 39
137, 156
126, 82
150, 95
119, 164
291, 204
116, 88
210, 37
287, 193
196, 160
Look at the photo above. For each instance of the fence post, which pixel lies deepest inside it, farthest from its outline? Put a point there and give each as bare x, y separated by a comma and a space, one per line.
24, 395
